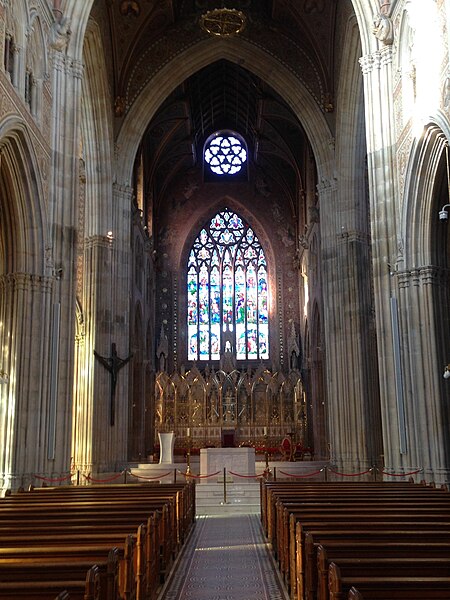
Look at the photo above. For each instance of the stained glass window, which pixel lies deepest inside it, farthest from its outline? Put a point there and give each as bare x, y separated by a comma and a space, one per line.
225, 154
227, 290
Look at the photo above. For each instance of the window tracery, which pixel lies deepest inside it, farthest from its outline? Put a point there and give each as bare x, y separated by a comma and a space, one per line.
227, 288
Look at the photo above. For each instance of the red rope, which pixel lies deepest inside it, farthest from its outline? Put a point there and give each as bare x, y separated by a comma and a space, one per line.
401, 474
247, 476
300, 476
54, 480
351, 474
198, 476
89, 478
150, 478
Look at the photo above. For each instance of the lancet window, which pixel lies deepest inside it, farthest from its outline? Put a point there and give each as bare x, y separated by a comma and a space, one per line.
227, 287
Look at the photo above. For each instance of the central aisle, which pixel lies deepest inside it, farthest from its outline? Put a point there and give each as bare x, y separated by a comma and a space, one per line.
226, 558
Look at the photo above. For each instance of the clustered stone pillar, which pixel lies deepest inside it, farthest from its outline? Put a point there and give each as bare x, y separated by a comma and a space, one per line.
378, 93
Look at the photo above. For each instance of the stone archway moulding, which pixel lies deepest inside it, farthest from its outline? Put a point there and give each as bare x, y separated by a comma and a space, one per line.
16, 146
418, 218
202, 54
78, 14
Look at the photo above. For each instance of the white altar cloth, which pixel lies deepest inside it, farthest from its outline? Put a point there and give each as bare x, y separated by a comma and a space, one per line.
234, 460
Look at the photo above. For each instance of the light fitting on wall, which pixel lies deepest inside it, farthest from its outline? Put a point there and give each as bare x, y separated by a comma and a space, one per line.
443, 214
447, 371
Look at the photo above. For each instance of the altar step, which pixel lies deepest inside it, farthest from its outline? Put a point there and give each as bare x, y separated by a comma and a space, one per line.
239, 498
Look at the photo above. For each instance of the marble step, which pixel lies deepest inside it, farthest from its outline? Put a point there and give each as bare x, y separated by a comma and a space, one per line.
243, 498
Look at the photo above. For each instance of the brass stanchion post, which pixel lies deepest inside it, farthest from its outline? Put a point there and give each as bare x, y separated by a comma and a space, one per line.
224, 485
266, 453
188, 456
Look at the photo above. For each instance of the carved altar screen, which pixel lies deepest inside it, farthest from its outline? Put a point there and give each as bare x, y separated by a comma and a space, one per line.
227, 291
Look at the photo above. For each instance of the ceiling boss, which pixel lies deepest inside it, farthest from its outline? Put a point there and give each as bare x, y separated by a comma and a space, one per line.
223, 22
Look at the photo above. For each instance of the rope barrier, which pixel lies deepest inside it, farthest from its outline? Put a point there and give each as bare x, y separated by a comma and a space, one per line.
247, 476
350, 474
301, 476
401, 474
197, 476
107, 480
149, 478
54, 479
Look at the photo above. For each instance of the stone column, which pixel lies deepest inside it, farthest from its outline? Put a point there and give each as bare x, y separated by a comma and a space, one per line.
63, 220
354, 423
102, 446
29, 413
422, 293
378, 93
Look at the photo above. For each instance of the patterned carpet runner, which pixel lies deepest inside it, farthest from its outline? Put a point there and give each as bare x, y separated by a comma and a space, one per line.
226, 558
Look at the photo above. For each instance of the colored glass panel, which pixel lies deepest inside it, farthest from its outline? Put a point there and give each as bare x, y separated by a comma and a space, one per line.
192, 343
227, 287
204, 341
215, 342
241, 339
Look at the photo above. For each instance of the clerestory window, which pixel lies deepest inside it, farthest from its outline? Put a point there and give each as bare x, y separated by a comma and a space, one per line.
227, 289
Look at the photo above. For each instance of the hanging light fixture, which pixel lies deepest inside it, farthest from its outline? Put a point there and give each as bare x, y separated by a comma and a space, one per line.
223, 22
447, 371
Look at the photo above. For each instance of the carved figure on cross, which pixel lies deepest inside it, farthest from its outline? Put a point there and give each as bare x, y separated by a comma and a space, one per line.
113, 364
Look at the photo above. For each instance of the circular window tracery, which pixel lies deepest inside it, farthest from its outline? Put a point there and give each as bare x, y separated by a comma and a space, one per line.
225, 154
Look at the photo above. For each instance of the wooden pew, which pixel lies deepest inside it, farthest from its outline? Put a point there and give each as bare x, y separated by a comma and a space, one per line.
380, 513
316, 490
377, 566
86, 588
354, 516
423, 553
285, 497
387, 588
56, 509
305, 566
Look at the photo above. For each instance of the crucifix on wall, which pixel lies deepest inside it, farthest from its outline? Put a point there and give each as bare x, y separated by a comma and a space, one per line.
113, 364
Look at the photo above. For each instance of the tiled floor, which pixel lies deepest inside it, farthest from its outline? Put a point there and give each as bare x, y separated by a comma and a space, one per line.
226, 558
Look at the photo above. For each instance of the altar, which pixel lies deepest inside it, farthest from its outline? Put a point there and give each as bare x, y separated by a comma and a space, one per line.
235, 460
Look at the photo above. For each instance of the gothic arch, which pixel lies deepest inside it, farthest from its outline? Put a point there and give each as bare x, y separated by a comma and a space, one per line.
25, 290
202, 54
423, 285
96, 136
420, 222
24, 218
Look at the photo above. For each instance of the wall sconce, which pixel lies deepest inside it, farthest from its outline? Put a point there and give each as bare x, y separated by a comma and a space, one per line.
443, 214
447, 371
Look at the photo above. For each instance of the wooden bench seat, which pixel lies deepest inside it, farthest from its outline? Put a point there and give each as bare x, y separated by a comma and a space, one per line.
387, 588
304, 566
376, 566
333, 551
49, 539
86, 588
352, 522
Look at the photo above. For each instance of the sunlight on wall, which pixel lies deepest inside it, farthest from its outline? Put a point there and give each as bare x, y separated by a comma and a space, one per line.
305, 292
426, 55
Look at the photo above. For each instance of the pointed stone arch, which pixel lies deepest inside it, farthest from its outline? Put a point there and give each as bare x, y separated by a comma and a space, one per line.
205, 52
26, 214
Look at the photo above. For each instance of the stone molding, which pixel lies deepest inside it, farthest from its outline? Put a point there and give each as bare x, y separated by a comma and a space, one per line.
426, 275
26, 282
97, 241
179, 39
